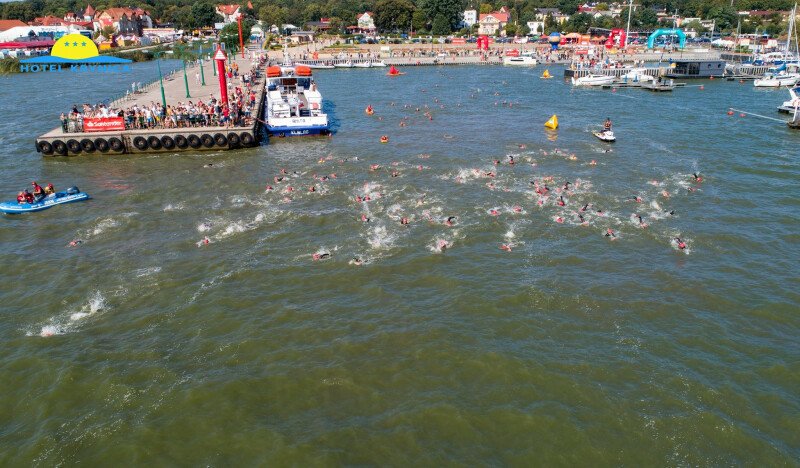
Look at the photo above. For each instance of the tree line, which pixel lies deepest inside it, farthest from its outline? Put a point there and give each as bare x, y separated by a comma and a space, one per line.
421, 16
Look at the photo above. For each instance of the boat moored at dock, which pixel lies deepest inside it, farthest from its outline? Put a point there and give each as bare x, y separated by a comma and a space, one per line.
593, 80
293, 105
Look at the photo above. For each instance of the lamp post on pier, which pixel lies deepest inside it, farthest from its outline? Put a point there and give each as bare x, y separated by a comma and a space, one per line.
186, 79
161, 79
200, 64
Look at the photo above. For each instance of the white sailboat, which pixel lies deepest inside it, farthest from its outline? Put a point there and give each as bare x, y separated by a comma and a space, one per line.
788, 73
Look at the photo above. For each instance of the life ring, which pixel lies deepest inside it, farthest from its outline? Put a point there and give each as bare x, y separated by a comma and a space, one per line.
140, 143
88, 145
116, 144
74, 146
194, 141
181, 142
154, 142
59, 147
101, 144
247, 139
234, 140
45, 147
167, 142
220, 139
384, 139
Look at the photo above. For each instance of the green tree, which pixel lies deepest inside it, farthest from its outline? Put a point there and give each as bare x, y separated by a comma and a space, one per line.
419, 20
726, 16
312, 12
230, 34
391, 15
450, 10
647, 17
19, 11
486, 8
511, 29
695, 25
523, 29
601, 7
440, 25
273, 14
336, 25
204, 14
580, 22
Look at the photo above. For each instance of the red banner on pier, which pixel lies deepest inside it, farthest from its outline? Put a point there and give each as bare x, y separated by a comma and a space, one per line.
103, 124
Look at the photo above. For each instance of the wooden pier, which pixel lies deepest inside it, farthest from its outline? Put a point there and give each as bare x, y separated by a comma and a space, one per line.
57, 142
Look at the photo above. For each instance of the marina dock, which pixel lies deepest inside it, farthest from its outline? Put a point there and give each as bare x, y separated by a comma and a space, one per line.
57, 142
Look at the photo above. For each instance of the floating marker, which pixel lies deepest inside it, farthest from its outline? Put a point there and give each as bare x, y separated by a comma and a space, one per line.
552, 123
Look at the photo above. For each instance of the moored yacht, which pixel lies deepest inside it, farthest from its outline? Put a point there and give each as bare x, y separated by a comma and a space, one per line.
293, 105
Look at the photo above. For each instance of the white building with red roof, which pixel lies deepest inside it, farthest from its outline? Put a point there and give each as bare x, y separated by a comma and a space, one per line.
491, 23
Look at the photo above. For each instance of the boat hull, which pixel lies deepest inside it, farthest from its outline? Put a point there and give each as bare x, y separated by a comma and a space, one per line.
608, 137
60, 198
311, 130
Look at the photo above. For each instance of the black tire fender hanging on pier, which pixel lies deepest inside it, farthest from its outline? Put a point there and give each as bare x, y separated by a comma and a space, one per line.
59, 147
45, 147
116, 144
194, 141
180, 142
88, 145
167, 142
207, 140
233, 139
220, 140
140, 143
154, 142
74, 146
101, 144
247, 139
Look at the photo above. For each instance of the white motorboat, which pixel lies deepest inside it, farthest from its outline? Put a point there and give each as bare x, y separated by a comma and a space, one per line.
593, 80
605, 135
792, 104
347, 64
293, 105
320, 66
524, 60
379, 63
363, 64
636, 75
777, 79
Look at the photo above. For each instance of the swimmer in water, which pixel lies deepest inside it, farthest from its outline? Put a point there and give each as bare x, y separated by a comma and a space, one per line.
681, 244
278, 179
364, 218
395, 174
697, 178
511, 160
583, 221
561, 201
566, 186
505, 247
637, 199
75, 243
356, 261
585, 207
517, 209
493, 212
450, 221
208, 165
610, 233
313, 188
404, 221
496, 162
671, 212
320, 256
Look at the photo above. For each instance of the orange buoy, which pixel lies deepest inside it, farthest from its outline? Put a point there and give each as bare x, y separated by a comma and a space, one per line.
384, 139
369, 110
730, 112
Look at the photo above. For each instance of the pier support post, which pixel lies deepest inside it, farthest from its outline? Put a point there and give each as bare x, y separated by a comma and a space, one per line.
161, 82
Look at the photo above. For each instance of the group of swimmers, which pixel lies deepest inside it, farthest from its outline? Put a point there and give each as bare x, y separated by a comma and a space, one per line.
38, 194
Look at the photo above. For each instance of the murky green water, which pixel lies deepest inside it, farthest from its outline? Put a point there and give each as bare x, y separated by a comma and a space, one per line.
570, 349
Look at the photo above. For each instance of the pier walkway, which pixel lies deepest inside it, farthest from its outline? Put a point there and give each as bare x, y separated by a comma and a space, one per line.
59, 143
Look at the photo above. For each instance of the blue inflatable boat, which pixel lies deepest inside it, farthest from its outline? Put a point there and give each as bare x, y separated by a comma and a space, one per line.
58, 198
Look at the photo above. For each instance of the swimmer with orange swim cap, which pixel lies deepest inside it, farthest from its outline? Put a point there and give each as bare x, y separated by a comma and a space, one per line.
697, 178
561, 201
505, 247
610, 233
681, 244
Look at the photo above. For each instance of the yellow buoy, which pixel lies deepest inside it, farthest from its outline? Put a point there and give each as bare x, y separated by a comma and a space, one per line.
552, 123
546, 74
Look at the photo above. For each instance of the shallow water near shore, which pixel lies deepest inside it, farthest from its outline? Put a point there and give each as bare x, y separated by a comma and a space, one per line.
145, 345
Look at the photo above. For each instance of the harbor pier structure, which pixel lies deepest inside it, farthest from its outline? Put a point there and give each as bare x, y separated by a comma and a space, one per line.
58, 142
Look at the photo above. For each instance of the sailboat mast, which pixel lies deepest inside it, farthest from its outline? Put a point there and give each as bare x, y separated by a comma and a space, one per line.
789, 33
